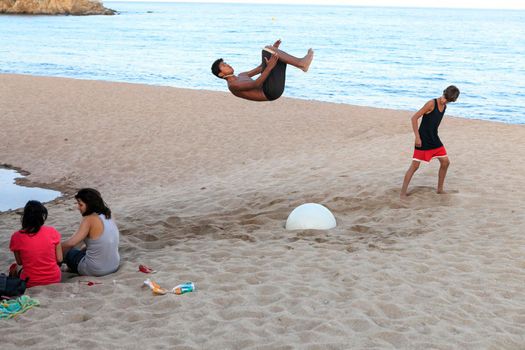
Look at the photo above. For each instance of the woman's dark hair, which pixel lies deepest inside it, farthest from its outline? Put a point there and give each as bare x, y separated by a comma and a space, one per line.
451, 93
94, 202
35, 214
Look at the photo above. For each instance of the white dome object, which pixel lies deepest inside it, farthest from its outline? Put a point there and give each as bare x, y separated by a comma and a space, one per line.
310, 216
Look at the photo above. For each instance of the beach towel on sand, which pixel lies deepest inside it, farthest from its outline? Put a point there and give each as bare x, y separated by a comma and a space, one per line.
13, 307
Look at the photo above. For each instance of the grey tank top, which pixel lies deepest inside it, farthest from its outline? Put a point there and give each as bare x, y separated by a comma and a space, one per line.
102, 255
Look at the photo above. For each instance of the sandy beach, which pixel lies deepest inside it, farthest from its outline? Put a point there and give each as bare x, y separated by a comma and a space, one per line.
201, 184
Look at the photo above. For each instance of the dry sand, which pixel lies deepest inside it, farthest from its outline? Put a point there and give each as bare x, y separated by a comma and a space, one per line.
201, 184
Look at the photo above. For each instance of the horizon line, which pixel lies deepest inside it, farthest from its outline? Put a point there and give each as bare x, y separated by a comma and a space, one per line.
357, 3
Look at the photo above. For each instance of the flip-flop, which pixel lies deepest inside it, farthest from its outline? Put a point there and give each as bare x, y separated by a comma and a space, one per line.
146, 269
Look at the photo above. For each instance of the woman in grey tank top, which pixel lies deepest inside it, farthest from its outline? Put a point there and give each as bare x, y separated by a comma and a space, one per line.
99, 234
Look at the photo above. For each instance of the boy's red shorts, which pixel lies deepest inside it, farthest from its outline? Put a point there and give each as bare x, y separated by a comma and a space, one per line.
429, 154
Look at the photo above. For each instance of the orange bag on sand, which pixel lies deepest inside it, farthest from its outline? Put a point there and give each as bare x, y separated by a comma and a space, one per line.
155, 288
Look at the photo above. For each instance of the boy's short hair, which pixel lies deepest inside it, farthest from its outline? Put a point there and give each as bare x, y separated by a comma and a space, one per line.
451, 93
215, 67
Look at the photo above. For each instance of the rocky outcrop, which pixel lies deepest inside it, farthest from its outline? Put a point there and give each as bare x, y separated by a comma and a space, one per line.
55, 7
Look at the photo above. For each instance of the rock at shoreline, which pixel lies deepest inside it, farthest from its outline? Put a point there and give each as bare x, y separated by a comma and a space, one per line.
55, 7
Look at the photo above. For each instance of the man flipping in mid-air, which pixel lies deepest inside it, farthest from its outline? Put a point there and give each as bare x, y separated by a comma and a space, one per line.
269, 85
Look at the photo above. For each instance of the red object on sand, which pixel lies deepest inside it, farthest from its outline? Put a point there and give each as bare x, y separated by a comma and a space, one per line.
89, 283
145, 269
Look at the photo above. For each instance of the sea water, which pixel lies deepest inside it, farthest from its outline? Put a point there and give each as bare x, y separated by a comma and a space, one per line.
382, 57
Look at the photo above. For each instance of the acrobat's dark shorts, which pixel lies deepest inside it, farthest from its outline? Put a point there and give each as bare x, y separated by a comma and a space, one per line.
273, 86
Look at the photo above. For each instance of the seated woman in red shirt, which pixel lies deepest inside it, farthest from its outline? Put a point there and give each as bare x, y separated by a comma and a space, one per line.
37, 247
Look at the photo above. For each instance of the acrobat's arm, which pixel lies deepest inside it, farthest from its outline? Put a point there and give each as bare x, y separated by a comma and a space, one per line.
256, 84
258, 69
253, 72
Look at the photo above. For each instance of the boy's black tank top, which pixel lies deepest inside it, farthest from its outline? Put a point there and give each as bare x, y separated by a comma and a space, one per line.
428, 130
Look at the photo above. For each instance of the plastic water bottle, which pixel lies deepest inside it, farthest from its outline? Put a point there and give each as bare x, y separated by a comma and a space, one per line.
184, 288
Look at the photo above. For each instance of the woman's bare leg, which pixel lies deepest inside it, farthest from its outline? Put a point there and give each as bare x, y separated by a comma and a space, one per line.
14, 270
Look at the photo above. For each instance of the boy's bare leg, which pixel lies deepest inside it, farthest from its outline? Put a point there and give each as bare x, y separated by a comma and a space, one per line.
444, 163
301, 63
408, 176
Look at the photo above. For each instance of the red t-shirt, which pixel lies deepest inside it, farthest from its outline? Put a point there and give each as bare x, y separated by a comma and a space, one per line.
38, 254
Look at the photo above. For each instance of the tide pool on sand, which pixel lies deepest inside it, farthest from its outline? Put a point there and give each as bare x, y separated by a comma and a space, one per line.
13, 196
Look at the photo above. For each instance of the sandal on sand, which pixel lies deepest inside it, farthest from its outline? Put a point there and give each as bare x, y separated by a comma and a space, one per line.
145, 269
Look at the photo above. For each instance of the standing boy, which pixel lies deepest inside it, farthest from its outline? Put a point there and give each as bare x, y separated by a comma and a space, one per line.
427, 144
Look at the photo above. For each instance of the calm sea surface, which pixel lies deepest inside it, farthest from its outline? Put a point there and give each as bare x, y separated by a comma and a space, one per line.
383, 57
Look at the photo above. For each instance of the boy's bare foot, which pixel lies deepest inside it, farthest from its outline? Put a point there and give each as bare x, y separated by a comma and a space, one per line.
447, 192
308, 60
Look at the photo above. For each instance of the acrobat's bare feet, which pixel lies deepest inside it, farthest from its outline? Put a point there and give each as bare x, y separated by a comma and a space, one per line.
307, 60
403, 196
441, 192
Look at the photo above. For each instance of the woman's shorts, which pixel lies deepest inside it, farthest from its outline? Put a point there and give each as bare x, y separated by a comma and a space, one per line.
428, 154
73, 258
